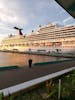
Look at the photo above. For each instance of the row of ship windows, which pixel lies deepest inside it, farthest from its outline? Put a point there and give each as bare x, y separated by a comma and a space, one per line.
69, 42
36, 44
38, 38
59, 31
46, 36
52, 36
42, 44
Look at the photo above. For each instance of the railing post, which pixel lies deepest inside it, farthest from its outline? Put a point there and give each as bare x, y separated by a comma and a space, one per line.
1, 96
59, 89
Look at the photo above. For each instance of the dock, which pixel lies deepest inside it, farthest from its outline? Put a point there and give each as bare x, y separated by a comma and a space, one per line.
53, 54
22, 78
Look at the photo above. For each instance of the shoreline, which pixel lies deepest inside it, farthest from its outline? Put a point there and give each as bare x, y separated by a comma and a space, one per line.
54, 54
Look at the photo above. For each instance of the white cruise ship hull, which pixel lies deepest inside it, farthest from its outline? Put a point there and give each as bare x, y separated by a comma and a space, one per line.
49, 38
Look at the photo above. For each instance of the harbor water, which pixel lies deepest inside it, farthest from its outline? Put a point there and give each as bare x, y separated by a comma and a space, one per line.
9, 59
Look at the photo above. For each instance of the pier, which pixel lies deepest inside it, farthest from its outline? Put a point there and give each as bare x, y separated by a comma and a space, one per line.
15, 80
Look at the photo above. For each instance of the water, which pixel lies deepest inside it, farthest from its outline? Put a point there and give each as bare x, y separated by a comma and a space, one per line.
9, 59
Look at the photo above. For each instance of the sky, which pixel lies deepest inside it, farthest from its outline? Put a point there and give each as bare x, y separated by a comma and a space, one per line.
29, 14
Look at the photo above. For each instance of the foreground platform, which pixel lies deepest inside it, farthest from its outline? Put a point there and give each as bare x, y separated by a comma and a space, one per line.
22, 78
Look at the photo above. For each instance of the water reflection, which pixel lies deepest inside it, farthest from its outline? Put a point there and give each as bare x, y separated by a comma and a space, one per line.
7, 59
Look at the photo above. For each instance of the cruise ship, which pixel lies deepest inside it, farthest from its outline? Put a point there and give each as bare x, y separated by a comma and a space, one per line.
48, 38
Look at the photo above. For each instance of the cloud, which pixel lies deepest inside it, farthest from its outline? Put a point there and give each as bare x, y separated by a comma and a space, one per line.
28, 14
9, 12
6, 28
57, 22
67, 19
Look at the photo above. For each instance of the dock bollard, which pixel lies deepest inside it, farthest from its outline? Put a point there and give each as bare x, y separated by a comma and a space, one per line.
30, 63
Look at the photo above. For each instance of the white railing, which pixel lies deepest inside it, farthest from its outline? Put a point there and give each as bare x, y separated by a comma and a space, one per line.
22, 86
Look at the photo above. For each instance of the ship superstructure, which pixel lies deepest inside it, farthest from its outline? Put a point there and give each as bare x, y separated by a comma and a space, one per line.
47, 38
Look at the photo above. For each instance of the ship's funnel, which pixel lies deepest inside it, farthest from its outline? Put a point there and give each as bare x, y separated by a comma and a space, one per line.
20, 30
